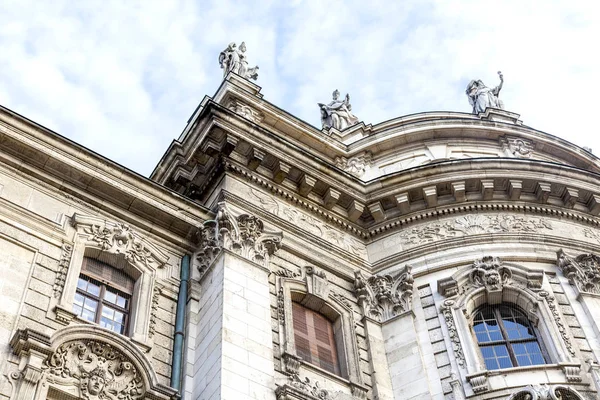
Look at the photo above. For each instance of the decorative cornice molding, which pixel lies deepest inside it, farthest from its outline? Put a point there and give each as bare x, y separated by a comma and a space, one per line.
582, 271
382, 297
243, 234
120, 239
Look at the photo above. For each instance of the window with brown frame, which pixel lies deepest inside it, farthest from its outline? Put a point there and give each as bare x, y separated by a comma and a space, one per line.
103, 295
506, 337
314, 337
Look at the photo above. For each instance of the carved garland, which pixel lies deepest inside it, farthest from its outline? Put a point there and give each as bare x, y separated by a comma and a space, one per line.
564, 334
244, 235
382, 296
63, 266
453, 332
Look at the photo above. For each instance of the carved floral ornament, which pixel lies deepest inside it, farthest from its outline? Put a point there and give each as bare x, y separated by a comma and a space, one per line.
382, 297
356, 165
90, 365
582, 271
243, 234
120, 239
297, 388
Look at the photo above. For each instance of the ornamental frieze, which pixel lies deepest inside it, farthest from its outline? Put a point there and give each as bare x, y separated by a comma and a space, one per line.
472, 225
308, 223
243, 234
546, 392
382, 297
99, 370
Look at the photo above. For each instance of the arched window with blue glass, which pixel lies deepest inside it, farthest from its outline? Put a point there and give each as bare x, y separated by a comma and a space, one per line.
506, 337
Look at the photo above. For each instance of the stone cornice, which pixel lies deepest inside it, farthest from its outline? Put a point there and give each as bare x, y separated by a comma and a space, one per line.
77, 171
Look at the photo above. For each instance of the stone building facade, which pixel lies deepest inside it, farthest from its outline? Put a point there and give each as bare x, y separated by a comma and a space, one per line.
436, 256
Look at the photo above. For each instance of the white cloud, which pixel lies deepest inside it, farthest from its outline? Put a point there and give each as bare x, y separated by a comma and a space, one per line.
122, 78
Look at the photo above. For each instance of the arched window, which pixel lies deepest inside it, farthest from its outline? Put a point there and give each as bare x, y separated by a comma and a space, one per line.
314, 338
103, 295
506, 337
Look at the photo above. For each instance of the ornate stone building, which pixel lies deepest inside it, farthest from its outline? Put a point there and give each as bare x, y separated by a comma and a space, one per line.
436, 256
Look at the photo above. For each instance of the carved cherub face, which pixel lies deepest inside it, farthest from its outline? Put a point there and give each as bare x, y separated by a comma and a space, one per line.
96, 384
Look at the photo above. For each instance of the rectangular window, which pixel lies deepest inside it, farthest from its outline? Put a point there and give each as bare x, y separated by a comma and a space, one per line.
315, 341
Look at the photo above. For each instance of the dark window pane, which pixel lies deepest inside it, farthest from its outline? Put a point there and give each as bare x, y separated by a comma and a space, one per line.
487, 352
519, 348
537, 359
496, 335
480, 327
523, 360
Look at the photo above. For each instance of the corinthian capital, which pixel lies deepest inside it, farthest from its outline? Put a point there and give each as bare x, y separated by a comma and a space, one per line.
243, 234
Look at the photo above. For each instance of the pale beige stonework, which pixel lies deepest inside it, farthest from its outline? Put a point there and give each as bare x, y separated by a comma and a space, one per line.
384, 229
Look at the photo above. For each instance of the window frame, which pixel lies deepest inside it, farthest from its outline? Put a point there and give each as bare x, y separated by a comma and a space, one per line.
144, 274
313, 341
506, 341
341, 315
102, 301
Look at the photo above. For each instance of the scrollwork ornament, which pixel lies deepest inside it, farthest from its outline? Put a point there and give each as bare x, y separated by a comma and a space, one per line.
243, 234
564, 332
382, 296
100, 370
582, 271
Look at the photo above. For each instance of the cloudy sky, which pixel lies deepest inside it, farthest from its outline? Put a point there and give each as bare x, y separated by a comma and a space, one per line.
122, 78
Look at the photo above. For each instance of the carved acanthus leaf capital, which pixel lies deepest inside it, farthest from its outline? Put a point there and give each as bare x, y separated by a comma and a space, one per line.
582, 271
382, 296
243, 234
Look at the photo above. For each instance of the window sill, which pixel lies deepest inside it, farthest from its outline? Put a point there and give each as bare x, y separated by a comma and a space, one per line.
485, 380
324, 372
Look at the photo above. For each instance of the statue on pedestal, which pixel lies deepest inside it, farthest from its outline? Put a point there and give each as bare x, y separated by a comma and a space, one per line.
338, 113
234, 59
482, 97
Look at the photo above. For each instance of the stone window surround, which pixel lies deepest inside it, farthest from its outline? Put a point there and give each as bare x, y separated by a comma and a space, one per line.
296, 290
535, 306
117, 253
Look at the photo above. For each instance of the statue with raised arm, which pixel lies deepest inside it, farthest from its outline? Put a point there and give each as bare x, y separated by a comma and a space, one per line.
234, 59
338, 113
482, 97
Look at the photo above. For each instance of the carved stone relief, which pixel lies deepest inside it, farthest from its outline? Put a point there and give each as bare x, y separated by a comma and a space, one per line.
316, 282
489, 272
296, 386
121, 239
582, 271
99, 370
356, 165
245, 111
516, 147
308, 223
382, 297
472, 225
243, 234
153, 313
63, 266
545, 392
452, 332
558, 320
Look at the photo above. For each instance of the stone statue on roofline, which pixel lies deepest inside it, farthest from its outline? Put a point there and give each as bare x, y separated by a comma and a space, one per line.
482, 97
233, 58
338, 113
